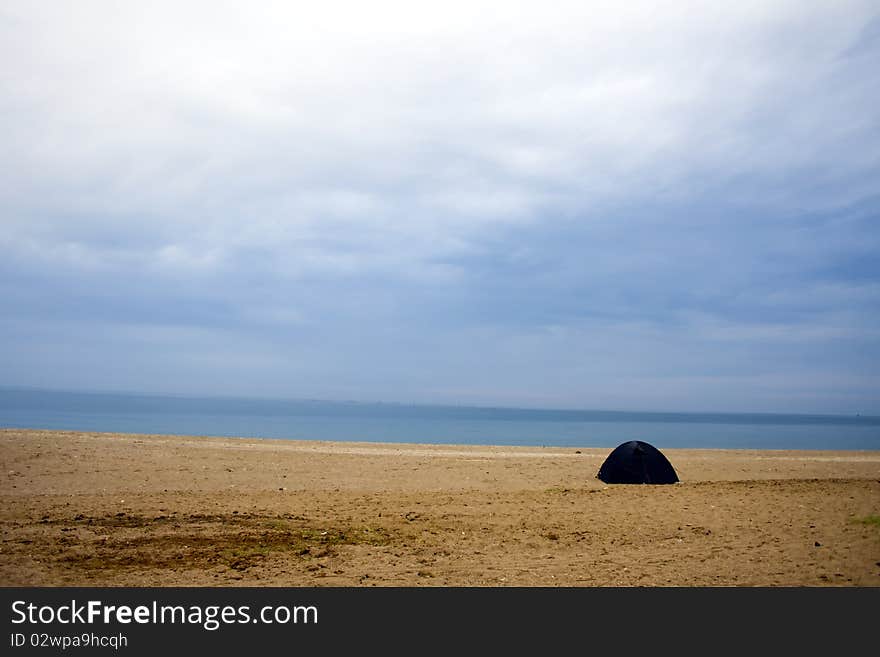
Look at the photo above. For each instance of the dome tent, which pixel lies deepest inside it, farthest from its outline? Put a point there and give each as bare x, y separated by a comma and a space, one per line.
637, 462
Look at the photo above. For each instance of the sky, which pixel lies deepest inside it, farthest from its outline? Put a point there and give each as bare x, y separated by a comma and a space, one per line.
598, 205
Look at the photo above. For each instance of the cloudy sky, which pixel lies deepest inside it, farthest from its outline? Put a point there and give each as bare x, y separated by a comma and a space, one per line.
636, 206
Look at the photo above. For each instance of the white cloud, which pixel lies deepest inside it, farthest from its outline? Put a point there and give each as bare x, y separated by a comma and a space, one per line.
348, 166
195, 105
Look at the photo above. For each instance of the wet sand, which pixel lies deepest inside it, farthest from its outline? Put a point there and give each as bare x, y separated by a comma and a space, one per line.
135, 510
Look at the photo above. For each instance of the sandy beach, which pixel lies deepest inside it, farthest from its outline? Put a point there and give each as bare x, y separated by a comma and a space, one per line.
88, 509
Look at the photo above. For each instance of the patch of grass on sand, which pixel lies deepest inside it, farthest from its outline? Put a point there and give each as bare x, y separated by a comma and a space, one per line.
280, 525
200, 541
869, 520
245, 552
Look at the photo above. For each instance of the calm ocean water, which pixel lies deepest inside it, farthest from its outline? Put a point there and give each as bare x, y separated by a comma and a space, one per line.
343, 421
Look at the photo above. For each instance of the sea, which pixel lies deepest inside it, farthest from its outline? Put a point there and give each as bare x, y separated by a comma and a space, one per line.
431, 424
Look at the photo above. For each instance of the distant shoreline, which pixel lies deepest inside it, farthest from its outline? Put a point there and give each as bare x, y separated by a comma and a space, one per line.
440, 446
428, 424
371, 446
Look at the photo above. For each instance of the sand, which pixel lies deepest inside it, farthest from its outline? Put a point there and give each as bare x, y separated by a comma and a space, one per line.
90, 509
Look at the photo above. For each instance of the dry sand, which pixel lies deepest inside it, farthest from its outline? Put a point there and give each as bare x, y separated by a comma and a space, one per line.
134, 510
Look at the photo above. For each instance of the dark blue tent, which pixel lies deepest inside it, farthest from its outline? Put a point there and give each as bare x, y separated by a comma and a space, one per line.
637, 462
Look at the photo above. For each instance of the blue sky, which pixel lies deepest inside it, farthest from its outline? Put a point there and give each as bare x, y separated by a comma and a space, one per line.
567, 205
